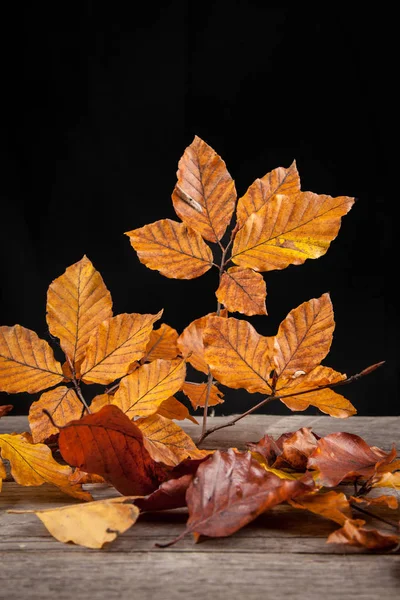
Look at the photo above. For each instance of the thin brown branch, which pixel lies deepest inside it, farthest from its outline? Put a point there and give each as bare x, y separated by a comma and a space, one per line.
393, 524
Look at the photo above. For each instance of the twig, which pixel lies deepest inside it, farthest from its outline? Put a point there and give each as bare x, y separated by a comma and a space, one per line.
373, 516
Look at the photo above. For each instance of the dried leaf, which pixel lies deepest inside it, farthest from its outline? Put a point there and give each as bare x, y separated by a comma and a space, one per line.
115, 345
109, 444
90, 525
172, 409
77, 302
166, 442
142, 392
267, 447
190, 343
5, 409
204, 196
162, 344
391, 480
62, 403
33, 465
279, 181
242, 290
331, 505
354, 534
389, 501
171, 494
172, 248
3, 473
78, 476
99, 401
27, 363
295, 449
238, 356
197, 393
289, 229
342, 455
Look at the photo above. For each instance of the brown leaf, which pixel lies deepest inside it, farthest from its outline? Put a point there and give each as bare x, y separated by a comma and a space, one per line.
80, 477
242, 290
389, 501
331, 505
77, 302
171, 494
142, 392
289, 229
27, 363
267, 447
172, 409
99, 401
166, 442
295, 450
162, 344
190, 343
115, 345
342, 455
204, 196
197, 393
279, 181
391, 480
4, 409
109, 444
33, 465
237, 355
63, 405
354, 534
172, 248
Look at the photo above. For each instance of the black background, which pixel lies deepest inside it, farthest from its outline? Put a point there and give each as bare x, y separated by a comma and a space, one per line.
100, 102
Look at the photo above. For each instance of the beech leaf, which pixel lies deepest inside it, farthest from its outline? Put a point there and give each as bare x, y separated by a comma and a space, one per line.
191, 345
331, 505
172, 409
242, 290
171, 494
63, 405
197, 393
354, 534
162, 344
5, 409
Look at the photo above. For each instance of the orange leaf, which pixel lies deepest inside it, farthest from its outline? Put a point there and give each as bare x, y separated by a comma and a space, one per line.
389, 501
289, 229
142, 392
77, 302
109, 444
99, 401
33, 465
304, 337
331, 505
238, 356
354, 534
166, 442
197, 392
278, 181
115, 345
62, 403
172, 248
27, 363
391, 480
162, 344
242, 290
4, 409
172, 409
190, 343
204, 196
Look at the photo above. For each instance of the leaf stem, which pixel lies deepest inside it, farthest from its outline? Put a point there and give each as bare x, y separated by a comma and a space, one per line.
373, 516
77, 385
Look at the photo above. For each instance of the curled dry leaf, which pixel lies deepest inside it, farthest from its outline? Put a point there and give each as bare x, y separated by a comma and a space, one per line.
389, 501
295, 449
204, 196
171, 494
63, 405
242, 290
77, 302
5, 409
172, 248
331, 505
162, 344
115, 345
289, 229
33, 465
354, 534
197, 393
172, 409
27, 363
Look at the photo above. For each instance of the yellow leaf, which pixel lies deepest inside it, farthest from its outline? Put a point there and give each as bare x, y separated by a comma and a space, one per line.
304, 337
278, 181
197, 392
238, 356
172, 248
242, 290
289, 229
162, 344
142, 392
27, 363
115, 345
33, 465
331, 505
166, 442
99, 401
172, 409
190, 343
204, 196
3, 473
77, 302
390, 480
91, 525
62, 403
278, 472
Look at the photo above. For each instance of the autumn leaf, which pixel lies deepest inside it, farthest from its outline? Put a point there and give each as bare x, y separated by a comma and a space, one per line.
389, 501
91, 525
162, 344
295, 449
115, 345
190, 343
391, 480
109, 444
204, 196
63, 405
5, 409
289, 229
172, 248
354, 534
77, 302
99, 401
237, 355
78, 476
33, 465
342, 455
27, 363
197, 393
166, 442
266, 447
171, 494
331, 505
143, 391
242, 290
172, 409
279, 181
3, 473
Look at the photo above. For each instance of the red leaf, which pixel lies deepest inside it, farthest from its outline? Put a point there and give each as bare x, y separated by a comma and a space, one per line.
291, 450
170, 494
4, 409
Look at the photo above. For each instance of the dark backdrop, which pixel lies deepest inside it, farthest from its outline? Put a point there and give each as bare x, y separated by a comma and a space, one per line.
100, 103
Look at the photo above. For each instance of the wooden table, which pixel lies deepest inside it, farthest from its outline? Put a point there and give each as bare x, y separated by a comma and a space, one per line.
283, 554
